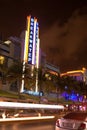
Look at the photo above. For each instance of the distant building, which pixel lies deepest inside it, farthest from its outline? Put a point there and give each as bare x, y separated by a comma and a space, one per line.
15, 48
79, 75
42, 58
4, 53
10, 52
52, 69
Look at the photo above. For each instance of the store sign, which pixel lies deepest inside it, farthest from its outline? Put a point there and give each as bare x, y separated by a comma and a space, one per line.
33, 38
31, 35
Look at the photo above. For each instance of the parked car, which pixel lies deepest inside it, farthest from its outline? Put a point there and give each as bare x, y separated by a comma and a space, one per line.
72, 121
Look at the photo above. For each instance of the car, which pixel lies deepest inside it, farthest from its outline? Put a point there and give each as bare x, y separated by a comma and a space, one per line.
72, 121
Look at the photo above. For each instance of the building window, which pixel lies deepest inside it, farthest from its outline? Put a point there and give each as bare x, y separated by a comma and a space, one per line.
2, 60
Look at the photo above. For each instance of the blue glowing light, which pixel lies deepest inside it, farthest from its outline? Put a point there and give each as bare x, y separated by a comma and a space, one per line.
33, 93
73, 96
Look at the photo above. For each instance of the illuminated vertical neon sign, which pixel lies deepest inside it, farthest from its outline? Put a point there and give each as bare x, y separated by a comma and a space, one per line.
33, 38
31, 41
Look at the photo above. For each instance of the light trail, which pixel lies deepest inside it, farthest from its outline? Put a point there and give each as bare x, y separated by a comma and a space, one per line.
26, 118
29, 105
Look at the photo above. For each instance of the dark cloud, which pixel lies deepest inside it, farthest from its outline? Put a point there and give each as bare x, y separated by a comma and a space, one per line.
66, 44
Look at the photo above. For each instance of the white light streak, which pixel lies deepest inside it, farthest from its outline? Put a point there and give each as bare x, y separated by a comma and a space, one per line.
26, 118
29, 105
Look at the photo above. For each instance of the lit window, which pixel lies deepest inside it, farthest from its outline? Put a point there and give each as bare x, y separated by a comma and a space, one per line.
2, 59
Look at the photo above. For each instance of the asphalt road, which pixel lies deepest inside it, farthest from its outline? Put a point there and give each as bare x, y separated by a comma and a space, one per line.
36, 125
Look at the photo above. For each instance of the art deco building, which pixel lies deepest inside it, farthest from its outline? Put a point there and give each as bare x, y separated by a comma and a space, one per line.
10, 52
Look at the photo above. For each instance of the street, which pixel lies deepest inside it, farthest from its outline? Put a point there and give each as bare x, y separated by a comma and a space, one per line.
26, 125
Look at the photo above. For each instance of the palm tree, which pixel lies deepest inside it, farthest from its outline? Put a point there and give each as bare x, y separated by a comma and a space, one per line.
3, 71
14, 74
45, 84
58, 85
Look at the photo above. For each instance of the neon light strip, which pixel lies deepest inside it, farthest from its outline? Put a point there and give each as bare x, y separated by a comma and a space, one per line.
26, 118
33, 53
22, 84
38, 44
24, 59
75, 71
29, 105
25, 56
27, 40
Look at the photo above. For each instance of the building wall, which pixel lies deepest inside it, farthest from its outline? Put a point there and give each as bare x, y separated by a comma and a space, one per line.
52, 69
10, 51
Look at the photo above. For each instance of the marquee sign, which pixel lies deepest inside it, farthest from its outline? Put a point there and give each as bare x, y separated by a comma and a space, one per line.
32, 28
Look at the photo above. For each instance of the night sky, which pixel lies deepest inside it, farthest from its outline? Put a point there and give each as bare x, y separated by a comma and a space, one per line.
63, 28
